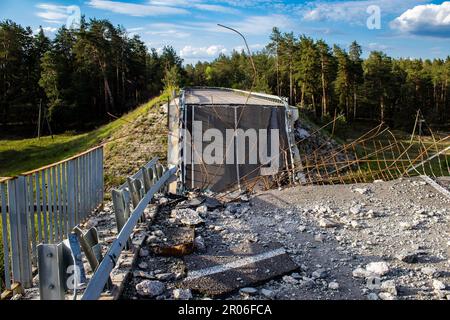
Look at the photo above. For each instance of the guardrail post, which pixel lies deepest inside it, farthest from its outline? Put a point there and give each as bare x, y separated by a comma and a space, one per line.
51, 273
102, 274
135, 190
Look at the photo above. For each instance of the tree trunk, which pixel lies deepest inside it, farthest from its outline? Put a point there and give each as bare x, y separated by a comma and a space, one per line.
324, 92
291, 85
278, 75
314, 105
302, 101
108, 94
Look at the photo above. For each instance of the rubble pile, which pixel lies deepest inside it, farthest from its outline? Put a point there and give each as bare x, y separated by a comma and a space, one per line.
310, 141
321, 154
371, 241
378, 241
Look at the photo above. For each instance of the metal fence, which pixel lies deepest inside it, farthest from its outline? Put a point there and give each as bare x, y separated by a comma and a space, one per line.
138, 191
43, 205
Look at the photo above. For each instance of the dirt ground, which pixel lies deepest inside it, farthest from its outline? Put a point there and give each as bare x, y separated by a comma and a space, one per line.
333, 233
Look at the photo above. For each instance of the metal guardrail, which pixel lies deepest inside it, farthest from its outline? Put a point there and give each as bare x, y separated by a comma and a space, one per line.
43, 205
140, 189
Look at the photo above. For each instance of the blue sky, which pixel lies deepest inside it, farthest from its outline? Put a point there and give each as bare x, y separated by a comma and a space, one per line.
408, 28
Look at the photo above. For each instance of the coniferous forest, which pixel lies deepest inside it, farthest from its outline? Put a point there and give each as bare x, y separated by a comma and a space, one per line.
82, 77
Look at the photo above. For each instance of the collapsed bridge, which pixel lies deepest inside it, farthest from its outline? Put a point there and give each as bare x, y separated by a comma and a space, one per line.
220, 138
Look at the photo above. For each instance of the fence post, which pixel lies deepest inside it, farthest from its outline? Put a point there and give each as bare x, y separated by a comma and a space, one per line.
17, 197
4, 226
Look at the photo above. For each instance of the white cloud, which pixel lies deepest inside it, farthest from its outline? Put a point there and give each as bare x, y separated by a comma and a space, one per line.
46, 30
171, 33
171, 2
262, 25
52, 13
136, 10
135, 29
254, 3
377, 46
158, 7
252, 25
428, 20
253, 47
190, 52
351, 11
215, 8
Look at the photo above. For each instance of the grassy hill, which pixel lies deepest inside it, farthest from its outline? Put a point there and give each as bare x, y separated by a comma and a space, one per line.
131, 141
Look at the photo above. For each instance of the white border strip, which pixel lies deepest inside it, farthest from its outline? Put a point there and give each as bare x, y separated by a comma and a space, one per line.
233, 265
435, 185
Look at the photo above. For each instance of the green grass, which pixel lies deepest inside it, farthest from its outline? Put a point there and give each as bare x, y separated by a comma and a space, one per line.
18, 156
435, 167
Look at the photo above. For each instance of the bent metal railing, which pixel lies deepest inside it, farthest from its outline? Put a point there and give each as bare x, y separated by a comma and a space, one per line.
43, 205
137, 191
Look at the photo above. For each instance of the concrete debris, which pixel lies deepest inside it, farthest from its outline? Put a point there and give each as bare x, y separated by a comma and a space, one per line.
302, 133
215, 274
372, 296
355, 224
409, 225
150, 288
386, 296
177, 241
248, 291
360, 273
199, 244
333, 285
212, 203
410, 256
327, 223
182, 294
429, 271
188, 217
319, 273
290, 280
389, 286
269, 294
361, 190
296, 275
319, 237
355, 210
143, 252
143, 274
373, 282
379, 268
165, 276
202, 210
162, 201
438, 285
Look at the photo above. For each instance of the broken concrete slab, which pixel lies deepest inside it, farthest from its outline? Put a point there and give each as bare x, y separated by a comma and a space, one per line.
179, 242
224, 272
187, 217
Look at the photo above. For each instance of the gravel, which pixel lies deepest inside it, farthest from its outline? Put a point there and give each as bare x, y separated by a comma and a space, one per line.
387, 241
